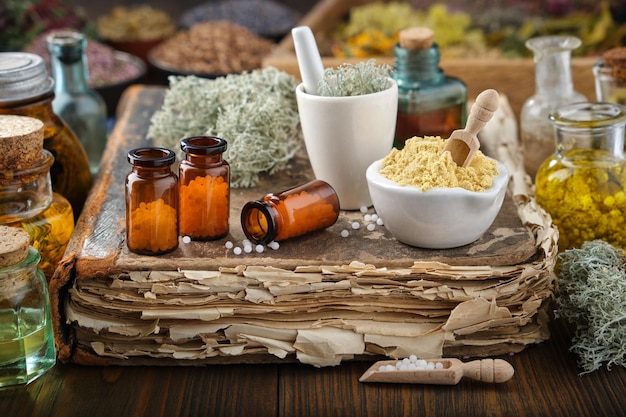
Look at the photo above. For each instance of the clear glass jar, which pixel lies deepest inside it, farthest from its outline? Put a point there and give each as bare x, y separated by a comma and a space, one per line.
553, 88
27, 90
610, 76
430, 103
26, 338
583, 184
27, 201
204, 188
287, 214
609, 88
80, 106
151, 202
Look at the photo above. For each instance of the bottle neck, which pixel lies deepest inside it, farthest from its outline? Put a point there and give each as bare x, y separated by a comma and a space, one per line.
553, 75
415, 68
590, 126
204, 160
69, 69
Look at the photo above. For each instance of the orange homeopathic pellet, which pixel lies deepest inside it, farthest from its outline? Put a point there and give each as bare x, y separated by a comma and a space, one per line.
205, 204
153, 227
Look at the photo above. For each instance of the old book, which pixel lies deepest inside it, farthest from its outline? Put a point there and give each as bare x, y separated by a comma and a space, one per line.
319, 299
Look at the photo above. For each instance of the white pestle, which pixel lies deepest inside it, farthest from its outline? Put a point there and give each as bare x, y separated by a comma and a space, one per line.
309, 59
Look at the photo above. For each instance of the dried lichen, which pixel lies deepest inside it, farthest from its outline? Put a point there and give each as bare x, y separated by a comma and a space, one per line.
592, 295
255, 112
354, 79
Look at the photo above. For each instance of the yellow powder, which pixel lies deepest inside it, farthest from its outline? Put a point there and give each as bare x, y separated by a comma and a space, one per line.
421, 163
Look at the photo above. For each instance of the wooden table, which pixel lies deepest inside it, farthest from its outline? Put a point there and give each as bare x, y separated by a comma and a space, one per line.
546, 383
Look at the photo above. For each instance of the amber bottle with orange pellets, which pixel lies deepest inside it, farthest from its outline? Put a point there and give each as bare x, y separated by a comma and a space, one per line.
204, 188
294, 212
151, 202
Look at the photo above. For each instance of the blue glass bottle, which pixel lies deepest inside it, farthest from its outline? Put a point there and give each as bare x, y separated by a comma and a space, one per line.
82, 108
430, 103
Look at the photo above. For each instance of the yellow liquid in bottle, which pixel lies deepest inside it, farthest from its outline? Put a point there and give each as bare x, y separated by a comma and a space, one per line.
586, 196
50, 232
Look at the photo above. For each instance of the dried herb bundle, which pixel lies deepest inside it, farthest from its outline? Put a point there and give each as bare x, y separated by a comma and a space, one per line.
592, 295
255, 112
354, 79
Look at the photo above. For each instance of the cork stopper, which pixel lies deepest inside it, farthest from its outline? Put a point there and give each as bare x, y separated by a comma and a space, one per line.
14, 243
21, 142
616, 59
416, 38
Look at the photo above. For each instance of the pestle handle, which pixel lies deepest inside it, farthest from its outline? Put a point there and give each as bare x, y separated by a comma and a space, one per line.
309, 59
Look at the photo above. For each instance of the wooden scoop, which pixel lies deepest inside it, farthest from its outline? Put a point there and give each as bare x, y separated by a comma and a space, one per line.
485, 370
463, 143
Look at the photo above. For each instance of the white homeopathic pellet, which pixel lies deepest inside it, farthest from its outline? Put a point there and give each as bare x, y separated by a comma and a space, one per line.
186, 239
345, 233
356, 225
229, 244
237, 250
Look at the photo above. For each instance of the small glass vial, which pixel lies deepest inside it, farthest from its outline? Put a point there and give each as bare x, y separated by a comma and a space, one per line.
80, 106
204, 188
610, 76
583, 185
430, 103
151, 202
26, 89
26, 338
294, 212
26, 196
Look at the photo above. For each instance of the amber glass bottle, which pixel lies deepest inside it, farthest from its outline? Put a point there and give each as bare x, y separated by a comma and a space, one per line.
151, 202
294, 212
430, 103
204, 188
26, 89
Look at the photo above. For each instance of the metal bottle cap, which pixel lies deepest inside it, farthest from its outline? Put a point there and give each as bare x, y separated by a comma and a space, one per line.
23, 76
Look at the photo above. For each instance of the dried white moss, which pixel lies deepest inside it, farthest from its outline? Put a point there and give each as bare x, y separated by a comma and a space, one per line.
592, 295
255, 112
354, 79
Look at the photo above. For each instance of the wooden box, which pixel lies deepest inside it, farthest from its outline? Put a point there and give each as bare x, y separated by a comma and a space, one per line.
513, 77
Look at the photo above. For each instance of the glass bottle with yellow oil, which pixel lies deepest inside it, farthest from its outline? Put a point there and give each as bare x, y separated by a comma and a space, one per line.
27, 200
583, 185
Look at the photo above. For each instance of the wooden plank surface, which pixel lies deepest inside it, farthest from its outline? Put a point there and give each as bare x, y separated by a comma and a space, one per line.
546, 383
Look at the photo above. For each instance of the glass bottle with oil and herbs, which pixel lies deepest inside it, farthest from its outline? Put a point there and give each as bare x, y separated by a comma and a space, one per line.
27, 199
583, 185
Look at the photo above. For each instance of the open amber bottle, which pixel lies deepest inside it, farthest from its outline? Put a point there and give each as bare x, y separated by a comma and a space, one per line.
290, 213
583, 185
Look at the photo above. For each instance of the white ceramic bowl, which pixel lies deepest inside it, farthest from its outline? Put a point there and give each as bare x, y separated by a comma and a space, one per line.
439, 218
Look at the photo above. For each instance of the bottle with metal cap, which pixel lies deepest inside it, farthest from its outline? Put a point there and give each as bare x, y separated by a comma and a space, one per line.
80, 106
26, 89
